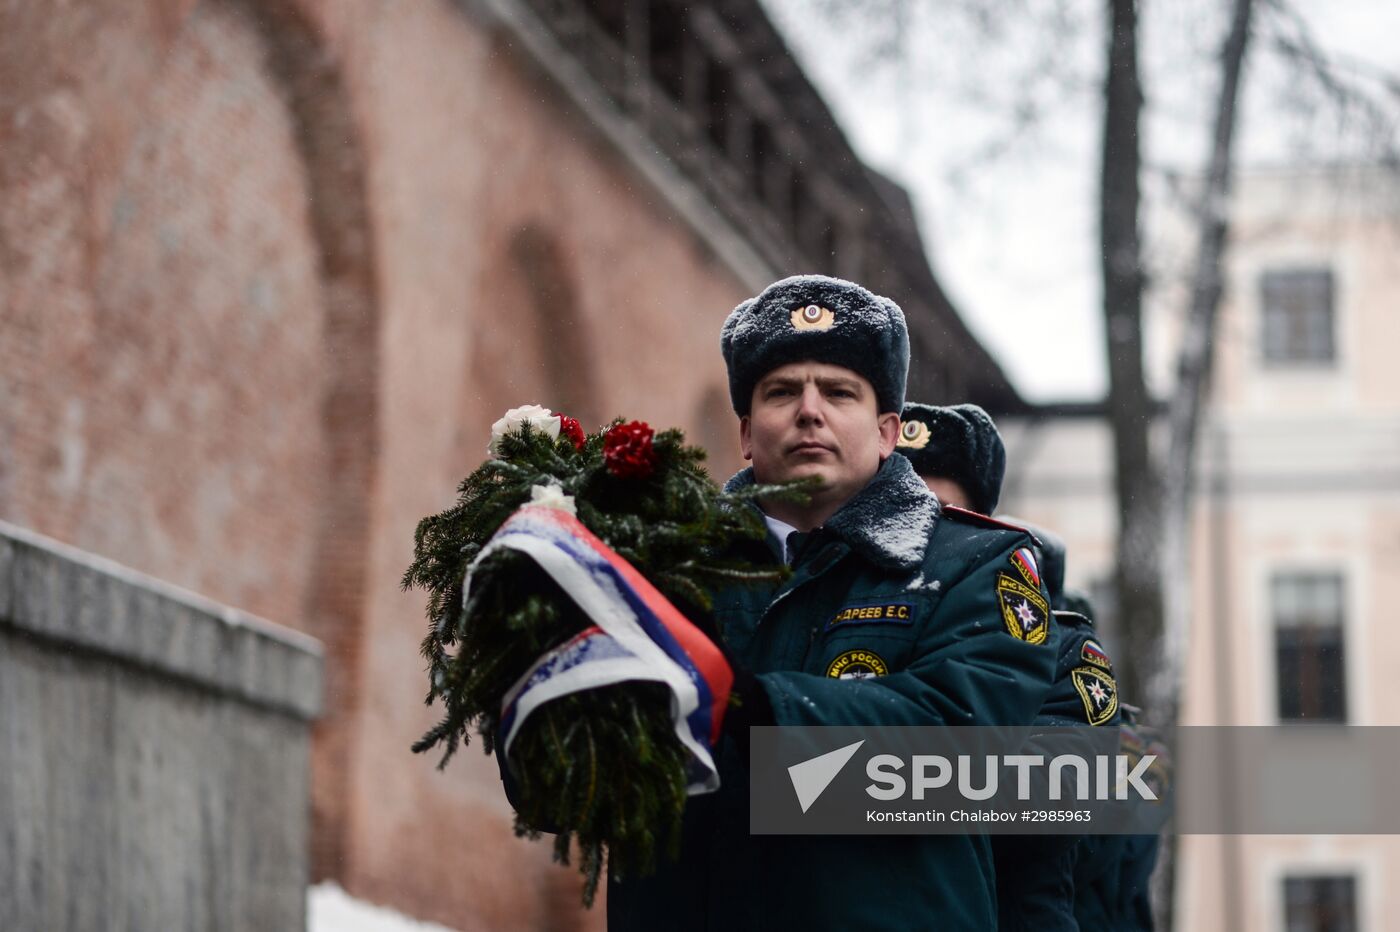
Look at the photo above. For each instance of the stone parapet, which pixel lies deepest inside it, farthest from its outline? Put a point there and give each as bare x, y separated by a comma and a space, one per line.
155, 750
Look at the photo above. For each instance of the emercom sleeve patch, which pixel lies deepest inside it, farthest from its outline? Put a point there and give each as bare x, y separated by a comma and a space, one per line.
1024, 609
1099, 692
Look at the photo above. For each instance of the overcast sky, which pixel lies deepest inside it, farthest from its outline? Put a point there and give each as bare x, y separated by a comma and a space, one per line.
993, 124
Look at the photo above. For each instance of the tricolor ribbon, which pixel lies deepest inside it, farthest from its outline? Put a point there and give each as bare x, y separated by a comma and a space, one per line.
638, 635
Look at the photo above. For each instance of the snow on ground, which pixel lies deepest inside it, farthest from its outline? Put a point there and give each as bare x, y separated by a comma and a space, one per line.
331, 909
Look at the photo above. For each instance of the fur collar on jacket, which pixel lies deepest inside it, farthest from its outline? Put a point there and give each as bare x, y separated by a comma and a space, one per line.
888, 522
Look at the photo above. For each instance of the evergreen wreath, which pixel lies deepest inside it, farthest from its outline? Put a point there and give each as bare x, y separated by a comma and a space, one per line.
602, 768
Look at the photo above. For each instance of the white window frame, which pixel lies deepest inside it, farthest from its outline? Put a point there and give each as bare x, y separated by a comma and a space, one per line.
1354, 586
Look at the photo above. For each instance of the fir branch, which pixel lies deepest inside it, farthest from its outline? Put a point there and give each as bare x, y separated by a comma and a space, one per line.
603, 767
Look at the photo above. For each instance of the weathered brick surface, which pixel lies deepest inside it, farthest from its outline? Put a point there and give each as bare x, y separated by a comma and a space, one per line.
162, 398
260, 307
530, 188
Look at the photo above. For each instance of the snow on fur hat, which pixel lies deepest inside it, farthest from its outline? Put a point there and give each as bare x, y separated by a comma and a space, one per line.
959, 443
812, 317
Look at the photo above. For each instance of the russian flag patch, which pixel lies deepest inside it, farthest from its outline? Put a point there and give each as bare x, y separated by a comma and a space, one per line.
1024, 561
1091, 652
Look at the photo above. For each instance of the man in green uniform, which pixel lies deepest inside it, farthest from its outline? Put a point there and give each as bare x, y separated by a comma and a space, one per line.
959, 454
894, 614
1113, 873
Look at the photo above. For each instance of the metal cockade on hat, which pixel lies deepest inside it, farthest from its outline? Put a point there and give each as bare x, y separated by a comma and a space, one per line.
813, 317
913, 435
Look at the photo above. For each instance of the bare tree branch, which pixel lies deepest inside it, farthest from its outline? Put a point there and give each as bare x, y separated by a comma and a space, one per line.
1358, 93
1130, 408
1194, 361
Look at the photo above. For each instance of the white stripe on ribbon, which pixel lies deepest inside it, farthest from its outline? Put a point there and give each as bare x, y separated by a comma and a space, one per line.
596, 593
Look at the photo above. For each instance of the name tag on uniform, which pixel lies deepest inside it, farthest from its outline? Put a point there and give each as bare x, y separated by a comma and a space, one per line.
868, 613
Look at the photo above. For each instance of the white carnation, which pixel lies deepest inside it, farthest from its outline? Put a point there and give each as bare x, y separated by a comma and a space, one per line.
552, 496
537, 416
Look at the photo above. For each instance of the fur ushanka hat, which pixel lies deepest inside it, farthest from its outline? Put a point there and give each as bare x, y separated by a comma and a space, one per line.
812, 317
959, 443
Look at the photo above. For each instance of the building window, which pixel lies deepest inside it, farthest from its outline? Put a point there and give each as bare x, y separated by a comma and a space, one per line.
1298, 318
826, 242
800, 202
666, 48
1319, 904
1308, 611
761, 153
611, 15
718, 92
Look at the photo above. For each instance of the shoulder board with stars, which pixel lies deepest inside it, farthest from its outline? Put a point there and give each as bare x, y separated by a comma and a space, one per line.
1098, 691
980, 520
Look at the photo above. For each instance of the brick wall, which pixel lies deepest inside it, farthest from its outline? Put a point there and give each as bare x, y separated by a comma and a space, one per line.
162, 395
267, 273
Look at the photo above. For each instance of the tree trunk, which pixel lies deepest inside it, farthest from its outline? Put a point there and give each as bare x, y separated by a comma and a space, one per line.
1194, 363
1137, 582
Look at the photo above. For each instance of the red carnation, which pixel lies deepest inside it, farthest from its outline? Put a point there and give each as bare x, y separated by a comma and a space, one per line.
570, 427
628, 452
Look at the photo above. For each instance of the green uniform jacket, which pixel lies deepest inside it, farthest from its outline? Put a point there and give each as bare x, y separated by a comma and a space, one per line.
919, 612
1035, 873
1112, 877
